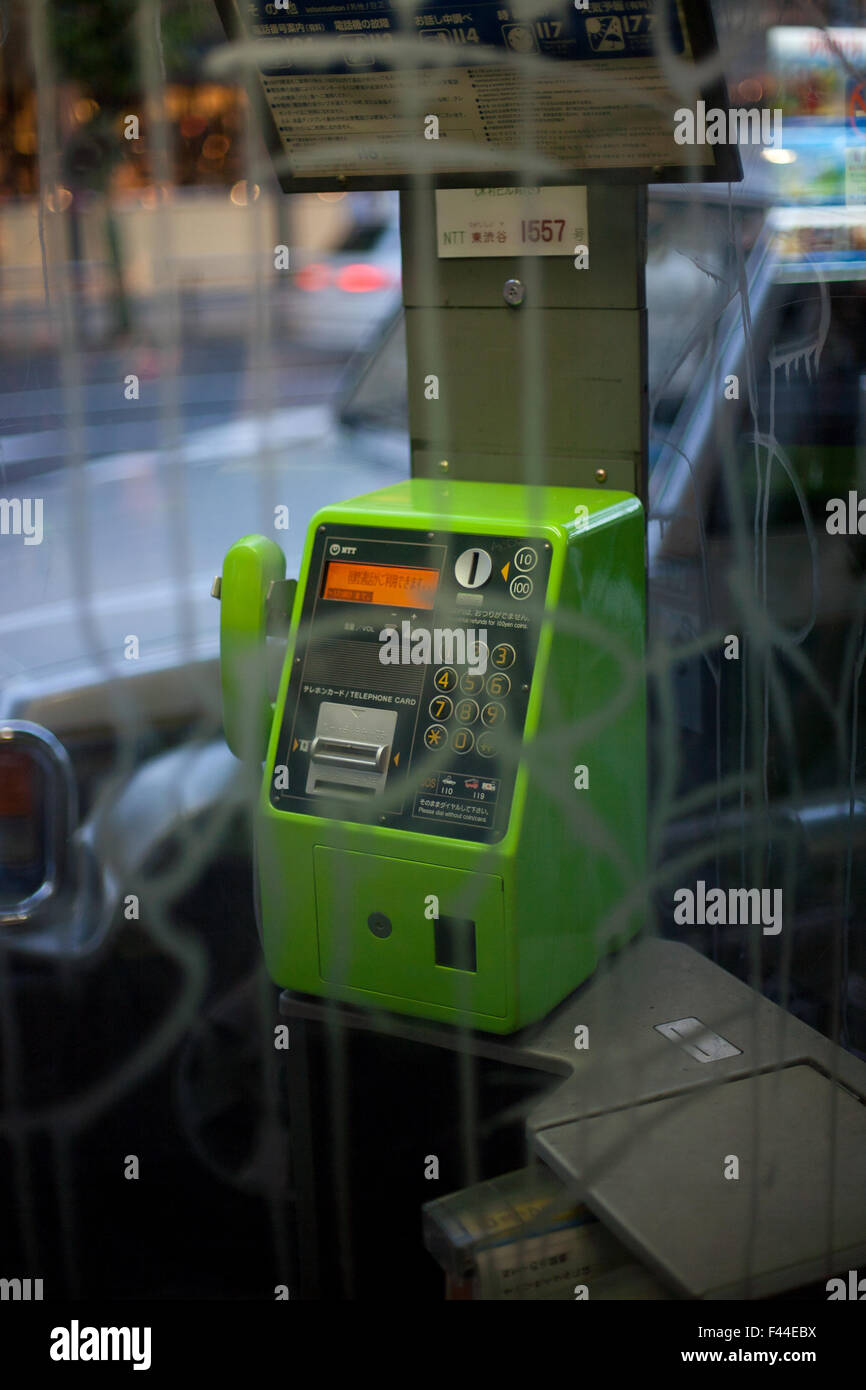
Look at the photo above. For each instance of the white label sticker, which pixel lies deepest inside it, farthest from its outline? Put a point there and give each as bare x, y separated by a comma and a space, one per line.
510, 221
698, 1040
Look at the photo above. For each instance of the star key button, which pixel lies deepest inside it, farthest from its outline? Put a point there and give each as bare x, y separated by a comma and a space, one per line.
435, 736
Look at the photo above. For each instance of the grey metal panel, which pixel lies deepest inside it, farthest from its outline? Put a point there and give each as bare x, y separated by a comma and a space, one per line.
546, 392
616, 219
571, 470
629, 1063
565, 380
655, 1174
639, 1125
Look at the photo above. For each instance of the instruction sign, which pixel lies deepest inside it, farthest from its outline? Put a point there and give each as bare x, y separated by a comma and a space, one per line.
367, 95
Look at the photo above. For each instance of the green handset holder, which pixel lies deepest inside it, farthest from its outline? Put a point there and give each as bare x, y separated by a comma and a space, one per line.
252, 567
449, 825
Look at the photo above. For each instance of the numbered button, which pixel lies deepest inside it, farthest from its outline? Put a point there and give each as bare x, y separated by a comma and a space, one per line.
441, 707
445, 678
467, 711
435, 736
525, 559
487, 746
462, 740
493, 715
473, 685
521, 586
498, 685
503, 656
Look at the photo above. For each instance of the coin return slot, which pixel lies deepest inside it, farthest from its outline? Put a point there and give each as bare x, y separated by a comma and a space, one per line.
340, 789
454, 943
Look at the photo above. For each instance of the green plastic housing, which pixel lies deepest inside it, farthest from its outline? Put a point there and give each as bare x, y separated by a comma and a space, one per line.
566, 882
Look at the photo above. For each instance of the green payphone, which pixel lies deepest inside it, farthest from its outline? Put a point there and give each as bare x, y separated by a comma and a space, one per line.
422, 843
453, 805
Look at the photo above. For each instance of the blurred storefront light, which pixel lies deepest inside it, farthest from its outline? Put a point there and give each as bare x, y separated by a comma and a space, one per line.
242, 193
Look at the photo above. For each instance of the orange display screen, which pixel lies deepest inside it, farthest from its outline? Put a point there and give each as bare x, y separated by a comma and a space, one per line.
395, 586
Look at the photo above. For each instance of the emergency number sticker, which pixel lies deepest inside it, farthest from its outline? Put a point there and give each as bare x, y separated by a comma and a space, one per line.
510, 221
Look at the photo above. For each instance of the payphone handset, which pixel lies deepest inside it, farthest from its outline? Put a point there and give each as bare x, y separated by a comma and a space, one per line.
452, 813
